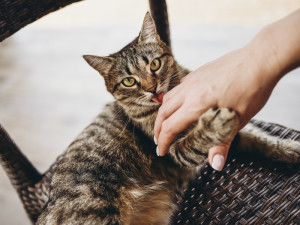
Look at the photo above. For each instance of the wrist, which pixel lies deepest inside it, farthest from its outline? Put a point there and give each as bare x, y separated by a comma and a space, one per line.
264, 54
277, 47
261, 72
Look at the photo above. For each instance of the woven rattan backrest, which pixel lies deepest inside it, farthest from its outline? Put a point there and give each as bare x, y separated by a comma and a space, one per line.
249, 190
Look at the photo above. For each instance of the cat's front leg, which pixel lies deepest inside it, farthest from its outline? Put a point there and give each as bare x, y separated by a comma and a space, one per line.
215, 126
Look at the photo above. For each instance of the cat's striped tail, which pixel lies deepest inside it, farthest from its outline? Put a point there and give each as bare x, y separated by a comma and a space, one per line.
281, 144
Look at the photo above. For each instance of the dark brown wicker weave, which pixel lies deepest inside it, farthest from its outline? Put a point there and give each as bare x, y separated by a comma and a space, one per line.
249, 190
15, 14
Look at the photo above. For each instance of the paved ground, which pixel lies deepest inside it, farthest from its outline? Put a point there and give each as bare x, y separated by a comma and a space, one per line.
48, 94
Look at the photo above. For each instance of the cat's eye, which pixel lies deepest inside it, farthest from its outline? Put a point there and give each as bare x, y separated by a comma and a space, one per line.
155, 64
128, 81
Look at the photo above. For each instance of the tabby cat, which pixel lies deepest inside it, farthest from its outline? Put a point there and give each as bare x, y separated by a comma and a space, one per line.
111, 173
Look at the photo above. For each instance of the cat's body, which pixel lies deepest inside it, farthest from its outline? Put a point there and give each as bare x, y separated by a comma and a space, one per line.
111, 173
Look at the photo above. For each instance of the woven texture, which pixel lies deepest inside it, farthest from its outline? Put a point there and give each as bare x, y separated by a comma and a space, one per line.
249, 190
15, 14
159, 13
28, 182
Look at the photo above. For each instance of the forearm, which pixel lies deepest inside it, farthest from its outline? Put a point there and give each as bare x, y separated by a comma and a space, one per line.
277, 47
241, 80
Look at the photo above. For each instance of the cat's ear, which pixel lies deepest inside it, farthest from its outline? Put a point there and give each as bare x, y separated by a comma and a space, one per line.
99, 63
148, 32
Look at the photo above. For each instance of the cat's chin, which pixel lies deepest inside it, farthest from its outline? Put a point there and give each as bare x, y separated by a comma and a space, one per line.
154, 104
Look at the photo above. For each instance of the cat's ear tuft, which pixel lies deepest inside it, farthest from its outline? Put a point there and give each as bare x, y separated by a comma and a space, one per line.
148, 33
99, 63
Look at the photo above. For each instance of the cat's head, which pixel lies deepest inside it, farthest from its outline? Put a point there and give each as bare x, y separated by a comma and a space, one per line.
141, 71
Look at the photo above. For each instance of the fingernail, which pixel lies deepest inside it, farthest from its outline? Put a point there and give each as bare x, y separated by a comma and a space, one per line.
218, 162
155, 141
157, 151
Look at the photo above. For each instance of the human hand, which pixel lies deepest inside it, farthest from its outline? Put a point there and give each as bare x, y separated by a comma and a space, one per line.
241, 80
237, 80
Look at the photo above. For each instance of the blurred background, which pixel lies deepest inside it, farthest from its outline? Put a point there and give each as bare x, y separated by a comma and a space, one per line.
48, 93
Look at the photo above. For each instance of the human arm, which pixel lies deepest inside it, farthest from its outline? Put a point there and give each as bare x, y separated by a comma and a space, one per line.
241, 80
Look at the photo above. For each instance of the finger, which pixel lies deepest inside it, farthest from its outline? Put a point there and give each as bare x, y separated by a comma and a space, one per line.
218, 154
164, 112
183, 79
187, 77
172, 126
175, 92
185, 84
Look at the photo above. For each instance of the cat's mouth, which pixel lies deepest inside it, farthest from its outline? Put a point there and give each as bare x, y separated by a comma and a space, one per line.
158, 98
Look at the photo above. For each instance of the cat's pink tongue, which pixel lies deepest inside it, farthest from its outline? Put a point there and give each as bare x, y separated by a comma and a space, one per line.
158, 98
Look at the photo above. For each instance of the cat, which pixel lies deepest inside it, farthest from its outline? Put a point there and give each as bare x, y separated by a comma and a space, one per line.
111, 174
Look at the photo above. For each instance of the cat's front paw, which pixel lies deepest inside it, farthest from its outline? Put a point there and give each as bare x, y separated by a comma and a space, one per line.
219, 123
215, 126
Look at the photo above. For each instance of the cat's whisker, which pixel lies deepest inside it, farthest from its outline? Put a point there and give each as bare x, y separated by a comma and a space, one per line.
110, 125
131, 101
169, 80
127, 121
112, 140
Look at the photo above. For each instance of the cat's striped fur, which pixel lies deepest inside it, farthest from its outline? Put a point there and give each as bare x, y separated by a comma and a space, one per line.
111, 173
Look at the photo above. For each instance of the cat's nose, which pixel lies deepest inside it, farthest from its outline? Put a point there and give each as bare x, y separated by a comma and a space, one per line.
152, 89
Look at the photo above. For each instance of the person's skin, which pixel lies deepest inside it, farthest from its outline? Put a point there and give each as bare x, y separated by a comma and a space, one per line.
241, 80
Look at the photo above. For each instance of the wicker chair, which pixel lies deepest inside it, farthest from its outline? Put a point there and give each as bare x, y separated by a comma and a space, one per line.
249, 190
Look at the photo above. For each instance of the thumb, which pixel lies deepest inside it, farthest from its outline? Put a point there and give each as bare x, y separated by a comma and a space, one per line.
217, 155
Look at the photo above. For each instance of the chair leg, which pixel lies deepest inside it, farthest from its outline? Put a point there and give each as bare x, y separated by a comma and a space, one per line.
22, 174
